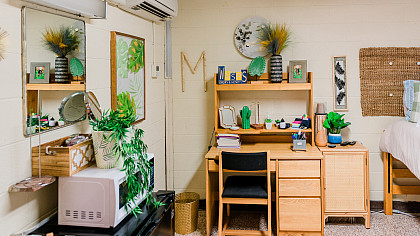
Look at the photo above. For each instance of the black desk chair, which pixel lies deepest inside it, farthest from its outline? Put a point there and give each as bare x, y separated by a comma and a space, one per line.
244, 189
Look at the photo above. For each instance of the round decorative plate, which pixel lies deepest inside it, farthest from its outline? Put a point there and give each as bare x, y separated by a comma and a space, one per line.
246, 37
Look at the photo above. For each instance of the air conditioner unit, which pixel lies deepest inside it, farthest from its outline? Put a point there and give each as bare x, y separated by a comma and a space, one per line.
95, 9
153, 10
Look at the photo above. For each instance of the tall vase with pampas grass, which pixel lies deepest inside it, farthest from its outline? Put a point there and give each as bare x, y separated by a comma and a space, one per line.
62, 42
3, 42
274, 38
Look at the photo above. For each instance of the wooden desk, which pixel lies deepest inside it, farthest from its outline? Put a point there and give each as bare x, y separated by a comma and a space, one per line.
299, 208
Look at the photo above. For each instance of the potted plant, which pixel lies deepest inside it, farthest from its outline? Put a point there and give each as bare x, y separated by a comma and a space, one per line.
125, 145
274, 38
268, 123
61, 42
334, 124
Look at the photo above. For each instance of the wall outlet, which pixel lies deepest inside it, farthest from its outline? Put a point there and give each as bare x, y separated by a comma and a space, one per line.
155, 71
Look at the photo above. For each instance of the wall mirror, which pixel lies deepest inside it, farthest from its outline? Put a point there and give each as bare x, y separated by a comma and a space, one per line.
54, 68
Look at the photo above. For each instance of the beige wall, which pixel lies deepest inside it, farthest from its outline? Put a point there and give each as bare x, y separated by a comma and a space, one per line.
321, 29
18, 210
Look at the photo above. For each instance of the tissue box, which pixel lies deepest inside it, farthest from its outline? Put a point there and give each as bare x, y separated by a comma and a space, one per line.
299, 145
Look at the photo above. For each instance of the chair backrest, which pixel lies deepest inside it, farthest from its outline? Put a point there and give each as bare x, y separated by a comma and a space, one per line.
240, 161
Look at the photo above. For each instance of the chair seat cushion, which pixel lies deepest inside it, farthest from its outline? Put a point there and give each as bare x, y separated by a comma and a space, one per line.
245, 187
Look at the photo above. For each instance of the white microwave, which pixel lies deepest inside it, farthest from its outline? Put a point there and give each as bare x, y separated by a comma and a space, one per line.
95, 197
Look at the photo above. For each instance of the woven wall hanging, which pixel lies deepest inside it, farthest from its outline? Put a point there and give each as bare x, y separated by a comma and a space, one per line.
382, 72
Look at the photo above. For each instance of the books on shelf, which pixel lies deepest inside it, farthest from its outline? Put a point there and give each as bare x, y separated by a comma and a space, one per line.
228, 141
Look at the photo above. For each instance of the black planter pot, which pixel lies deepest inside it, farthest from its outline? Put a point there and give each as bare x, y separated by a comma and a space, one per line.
276, 69
62, 70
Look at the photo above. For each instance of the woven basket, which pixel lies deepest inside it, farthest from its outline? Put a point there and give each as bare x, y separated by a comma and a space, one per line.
186, 212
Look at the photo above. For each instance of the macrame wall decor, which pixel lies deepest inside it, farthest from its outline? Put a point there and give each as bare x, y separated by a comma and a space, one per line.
3, 42
184, 58
382, 72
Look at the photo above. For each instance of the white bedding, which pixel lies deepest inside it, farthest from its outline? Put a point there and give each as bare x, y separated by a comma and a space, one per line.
402, 140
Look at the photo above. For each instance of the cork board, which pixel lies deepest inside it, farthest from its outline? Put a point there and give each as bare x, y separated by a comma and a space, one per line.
382, 72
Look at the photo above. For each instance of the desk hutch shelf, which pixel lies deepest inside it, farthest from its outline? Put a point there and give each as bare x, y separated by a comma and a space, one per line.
284, 86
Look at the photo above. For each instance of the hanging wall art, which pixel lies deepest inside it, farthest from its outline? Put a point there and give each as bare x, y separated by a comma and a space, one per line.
3, 43
340, 83
193, 70
128, 71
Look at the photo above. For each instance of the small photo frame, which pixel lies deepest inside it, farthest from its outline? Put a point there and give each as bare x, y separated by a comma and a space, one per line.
340, 83
298, 71
40, 73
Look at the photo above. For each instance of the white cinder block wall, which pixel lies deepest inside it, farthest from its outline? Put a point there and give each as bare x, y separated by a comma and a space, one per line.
19, 210
320, 29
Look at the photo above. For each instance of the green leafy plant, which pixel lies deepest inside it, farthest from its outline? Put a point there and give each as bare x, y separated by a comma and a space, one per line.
61, 41
335, 123
257, 66
268, 121
136, 55
274, 38
129, 147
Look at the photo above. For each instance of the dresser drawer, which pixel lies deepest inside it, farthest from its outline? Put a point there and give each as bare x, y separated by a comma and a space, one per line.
300, 214
299, 187
300, 169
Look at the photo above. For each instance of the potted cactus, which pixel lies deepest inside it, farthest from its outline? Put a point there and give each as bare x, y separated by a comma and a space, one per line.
334, 124
246, 117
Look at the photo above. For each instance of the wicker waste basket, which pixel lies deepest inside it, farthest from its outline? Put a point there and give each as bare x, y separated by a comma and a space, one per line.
186, 212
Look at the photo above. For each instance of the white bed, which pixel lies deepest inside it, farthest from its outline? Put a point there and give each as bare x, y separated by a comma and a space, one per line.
402, 141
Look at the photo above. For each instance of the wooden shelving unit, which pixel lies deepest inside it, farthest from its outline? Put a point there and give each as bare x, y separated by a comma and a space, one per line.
55, 87
284, 86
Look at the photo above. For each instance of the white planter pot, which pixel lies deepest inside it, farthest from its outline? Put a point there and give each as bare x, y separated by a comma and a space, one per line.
268, 125
104, 153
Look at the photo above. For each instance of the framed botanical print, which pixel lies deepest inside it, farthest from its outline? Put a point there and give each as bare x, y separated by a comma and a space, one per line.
340, 83
128, 71
298, 71
39, 73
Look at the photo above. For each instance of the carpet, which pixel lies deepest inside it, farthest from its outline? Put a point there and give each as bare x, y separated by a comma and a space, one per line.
381, 224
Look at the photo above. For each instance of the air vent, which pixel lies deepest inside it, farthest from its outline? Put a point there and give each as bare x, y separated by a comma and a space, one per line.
151, 9
90, 215
75, 214
83, 215
68, 213
98, 215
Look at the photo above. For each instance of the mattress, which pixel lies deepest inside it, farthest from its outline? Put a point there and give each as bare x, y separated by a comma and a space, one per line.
402, 141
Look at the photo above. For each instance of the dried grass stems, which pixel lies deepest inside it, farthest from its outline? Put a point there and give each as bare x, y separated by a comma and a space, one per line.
274, 38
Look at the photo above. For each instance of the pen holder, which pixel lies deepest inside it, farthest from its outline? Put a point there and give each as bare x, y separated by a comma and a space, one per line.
299, 145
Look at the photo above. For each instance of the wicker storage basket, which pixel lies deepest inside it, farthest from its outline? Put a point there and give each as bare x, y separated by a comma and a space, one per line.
186, 212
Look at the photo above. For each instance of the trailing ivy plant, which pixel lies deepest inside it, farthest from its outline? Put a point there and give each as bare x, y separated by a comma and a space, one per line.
129, 145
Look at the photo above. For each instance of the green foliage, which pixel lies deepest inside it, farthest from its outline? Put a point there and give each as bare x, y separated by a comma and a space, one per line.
136, 55
131, 149
76, 67
268, 121
122, 58
274, 38
335, 123
257, 66
61, 41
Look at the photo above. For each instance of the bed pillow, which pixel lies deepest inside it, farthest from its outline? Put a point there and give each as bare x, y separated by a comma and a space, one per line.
408, 97
415, 113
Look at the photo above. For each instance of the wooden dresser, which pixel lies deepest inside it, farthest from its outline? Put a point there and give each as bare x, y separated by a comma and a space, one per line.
347, 182
299, 197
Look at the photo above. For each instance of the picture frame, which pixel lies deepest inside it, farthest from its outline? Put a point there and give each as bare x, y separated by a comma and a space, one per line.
128, 70
39, 73
340, 84
298, 71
